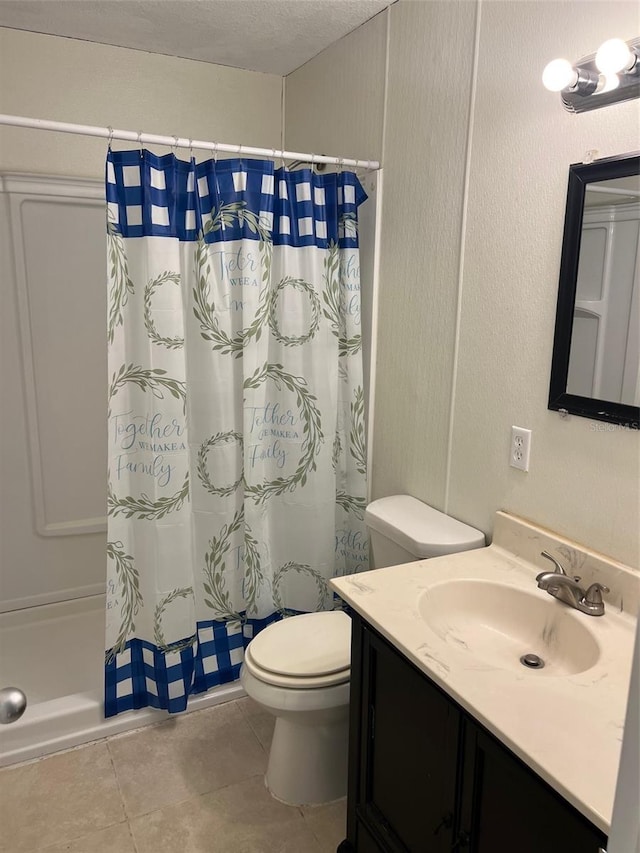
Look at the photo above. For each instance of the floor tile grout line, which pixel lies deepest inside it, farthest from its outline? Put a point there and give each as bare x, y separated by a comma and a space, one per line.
133, 838
257, 737
117, 778
317, 842
310, 828
257, 776
79, 838
195, 796
247, 718
320, 806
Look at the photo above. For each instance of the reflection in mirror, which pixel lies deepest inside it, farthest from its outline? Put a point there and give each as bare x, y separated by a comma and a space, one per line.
605, 354
595, 370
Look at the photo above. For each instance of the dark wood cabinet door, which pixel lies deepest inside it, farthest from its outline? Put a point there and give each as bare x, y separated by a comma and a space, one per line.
409, 754
505, 807
424, 777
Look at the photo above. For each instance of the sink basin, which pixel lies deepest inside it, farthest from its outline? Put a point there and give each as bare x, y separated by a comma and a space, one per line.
497, 623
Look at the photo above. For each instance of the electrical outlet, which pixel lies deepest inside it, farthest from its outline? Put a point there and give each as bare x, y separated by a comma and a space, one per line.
520, 448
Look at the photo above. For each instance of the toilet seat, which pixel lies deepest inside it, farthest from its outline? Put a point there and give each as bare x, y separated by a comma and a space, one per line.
312, 650
295, 682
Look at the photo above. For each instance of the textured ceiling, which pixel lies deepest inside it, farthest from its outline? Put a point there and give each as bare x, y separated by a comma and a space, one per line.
274, 36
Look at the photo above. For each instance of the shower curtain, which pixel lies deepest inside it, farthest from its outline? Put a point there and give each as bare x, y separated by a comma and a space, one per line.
237, 462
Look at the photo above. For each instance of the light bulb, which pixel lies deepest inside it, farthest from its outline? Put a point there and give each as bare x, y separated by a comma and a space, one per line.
614, 56
558, 75
609, 83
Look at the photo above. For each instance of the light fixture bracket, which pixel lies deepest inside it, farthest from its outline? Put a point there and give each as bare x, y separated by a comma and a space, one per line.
581, 101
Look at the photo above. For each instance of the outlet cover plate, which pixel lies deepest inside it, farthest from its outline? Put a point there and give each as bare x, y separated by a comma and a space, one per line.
520, 448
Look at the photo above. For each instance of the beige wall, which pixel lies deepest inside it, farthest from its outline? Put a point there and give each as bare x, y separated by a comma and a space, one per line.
334, 104
426, 133
69, 80
584, 480
482, 340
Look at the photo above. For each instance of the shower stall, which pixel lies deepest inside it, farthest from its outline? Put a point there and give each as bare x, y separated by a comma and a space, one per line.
53, 459
53, 535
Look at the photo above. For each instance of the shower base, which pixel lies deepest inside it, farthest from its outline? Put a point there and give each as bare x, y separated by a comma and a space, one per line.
54, 653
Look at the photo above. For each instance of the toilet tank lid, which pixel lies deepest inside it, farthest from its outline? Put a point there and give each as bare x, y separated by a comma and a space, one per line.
419, 528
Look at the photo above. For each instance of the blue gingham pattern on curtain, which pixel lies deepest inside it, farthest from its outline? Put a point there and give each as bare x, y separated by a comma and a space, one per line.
143, 676
151, 196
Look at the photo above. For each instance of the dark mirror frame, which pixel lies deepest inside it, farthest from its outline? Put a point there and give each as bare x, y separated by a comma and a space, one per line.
581, 174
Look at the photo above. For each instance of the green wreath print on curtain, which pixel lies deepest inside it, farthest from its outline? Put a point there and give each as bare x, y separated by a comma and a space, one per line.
237, 455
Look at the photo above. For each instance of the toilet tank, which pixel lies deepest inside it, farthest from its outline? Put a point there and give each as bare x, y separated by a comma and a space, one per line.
403, 529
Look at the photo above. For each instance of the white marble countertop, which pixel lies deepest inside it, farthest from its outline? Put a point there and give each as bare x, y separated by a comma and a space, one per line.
567, 728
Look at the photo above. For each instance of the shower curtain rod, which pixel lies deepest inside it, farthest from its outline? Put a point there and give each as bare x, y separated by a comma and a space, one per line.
180, 142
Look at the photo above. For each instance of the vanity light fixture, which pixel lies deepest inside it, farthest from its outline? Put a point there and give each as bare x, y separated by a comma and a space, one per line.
606, 77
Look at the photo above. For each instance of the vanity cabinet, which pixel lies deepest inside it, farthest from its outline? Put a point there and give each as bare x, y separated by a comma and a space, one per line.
424, 777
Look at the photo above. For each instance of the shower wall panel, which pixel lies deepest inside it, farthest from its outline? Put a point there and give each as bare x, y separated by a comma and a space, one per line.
54, 376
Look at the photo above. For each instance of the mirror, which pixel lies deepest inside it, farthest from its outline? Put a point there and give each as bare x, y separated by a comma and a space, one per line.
595, 370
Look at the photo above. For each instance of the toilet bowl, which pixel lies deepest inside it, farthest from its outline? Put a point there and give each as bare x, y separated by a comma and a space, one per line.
298, 669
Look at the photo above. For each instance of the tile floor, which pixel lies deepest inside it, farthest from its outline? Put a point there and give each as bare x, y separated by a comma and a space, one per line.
192, 784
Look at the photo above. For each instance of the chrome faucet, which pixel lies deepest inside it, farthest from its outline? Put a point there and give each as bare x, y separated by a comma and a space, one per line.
568, 590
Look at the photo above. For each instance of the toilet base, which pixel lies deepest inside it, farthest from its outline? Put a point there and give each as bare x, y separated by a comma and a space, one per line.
308, 760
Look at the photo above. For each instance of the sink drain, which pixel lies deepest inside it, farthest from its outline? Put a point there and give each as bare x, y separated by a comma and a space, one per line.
532, 661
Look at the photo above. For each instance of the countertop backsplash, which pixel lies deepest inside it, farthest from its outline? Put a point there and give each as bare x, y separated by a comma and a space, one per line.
524, 539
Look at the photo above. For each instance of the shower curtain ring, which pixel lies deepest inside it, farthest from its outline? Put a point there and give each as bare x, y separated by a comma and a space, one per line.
215, 152
190, 148
110, 129
140, 140
174, 147
313, 164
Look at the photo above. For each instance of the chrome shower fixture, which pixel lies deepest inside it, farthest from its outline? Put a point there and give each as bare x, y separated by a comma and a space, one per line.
13, 703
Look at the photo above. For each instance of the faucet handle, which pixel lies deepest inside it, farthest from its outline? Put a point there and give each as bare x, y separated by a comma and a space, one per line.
594, 594
558, 568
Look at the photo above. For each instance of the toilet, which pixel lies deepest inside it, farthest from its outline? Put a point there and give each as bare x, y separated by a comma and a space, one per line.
298, 669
